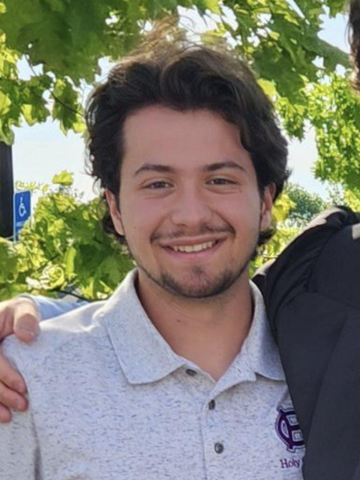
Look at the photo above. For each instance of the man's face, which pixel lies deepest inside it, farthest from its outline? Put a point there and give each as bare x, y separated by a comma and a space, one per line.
190, 207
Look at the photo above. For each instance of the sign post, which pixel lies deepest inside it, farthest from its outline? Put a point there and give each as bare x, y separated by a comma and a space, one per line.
6, 191
22, 211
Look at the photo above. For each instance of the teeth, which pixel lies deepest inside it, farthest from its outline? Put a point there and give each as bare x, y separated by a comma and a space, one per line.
194, 248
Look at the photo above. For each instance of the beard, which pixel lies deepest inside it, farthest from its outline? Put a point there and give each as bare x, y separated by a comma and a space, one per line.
199, 284
202, 287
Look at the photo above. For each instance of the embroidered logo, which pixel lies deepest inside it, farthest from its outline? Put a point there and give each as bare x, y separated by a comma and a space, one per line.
288, 429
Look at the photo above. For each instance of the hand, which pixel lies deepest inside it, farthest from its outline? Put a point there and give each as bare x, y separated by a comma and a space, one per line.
19, 316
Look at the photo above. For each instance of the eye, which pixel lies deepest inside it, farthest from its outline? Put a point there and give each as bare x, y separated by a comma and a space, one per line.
221, 181
160, 184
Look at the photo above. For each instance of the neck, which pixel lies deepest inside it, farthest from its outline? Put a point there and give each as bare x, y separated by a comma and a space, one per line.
208, 332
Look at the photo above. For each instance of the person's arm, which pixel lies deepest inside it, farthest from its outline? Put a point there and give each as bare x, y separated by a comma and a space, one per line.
51, 308
21, 316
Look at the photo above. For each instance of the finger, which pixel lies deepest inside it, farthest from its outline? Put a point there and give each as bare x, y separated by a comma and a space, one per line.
10, 377
6, 319
11, 399
5, 415
26, 320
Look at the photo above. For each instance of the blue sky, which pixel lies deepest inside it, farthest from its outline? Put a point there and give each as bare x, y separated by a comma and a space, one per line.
41, 151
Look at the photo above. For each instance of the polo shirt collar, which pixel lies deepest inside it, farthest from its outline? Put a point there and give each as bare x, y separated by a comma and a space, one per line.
259, 354
142, 352
146, 357
259, 347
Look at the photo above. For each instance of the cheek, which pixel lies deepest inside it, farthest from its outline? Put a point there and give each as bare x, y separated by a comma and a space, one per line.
141, 216
241, 210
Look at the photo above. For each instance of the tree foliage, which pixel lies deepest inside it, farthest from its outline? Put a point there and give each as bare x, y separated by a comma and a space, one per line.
62, 41
304, 205
63, 249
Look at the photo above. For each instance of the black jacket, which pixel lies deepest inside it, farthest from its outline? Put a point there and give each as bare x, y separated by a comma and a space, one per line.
312, 294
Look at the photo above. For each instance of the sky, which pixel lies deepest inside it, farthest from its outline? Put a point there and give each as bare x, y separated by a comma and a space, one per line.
41, 151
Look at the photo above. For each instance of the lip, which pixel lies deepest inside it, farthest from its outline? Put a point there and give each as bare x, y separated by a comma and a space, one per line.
203, 254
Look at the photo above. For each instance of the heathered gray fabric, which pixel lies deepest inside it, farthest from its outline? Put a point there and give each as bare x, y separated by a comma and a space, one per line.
110, 400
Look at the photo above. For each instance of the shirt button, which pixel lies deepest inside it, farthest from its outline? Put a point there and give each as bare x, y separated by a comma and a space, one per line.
190, 372
219, 447
211, 405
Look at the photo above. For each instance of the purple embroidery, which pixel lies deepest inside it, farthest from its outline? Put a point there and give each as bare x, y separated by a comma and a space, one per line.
288, 429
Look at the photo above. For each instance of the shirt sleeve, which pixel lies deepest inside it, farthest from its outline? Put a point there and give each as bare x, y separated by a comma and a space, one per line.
50, 307
19, 451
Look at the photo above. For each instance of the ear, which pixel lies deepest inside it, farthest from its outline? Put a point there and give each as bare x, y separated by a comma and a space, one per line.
266, 206
114, 212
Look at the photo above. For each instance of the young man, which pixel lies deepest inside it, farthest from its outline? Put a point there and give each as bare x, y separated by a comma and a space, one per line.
177, 374
313, 304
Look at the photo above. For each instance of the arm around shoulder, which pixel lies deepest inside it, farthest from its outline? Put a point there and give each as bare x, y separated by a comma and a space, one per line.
50, 307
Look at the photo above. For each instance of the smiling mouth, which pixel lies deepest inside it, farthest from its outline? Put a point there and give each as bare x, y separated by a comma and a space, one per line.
200, 247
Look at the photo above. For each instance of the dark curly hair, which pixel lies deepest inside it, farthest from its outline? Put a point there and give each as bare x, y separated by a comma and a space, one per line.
183, 77
354, 23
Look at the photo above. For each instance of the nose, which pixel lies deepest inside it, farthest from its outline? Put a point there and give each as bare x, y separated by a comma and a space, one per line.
192, 208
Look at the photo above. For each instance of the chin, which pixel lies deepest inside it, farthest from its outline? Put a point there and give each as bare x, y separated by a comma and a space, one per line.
200, 286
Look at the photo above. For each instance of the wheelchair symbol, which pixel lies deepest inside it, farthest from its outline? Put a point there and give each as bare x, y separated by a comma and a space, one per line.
22, 208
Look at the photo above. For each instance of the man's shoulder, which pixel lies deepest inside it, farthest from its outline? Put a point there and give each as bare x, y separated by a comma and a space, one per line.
70, 331
77, 337
330, 241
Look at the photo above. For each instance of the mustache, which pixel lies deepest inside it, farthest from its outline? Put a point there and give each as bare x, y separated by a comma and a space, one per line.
203, 230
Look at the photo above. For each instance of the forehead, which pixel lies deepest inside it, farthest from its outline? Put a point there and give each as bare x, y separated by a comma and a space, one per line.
161, 134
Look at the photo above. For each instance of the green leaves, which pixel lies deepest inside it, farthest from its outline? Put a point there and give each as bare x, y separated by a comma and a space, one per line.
64, 178
280, 39
334, 110
66, 108
63, 248
305, 206
337, 6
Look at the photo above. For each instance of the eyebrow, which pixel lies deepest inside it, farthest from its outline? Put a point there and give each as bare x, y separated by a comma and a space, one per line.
212, 167
154, 167
220, 165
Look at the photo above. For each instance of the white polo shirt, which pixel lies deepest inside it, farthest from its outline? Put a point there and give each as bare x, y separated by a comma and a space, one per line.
110, 400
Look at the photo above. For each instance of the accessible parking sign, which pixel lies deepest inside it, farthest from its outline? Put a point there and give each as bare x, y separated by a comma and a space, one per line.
22, 211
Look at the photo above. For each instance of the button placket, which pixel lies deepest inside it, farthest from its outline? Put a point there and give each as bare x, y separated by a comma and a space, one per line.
215, 436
